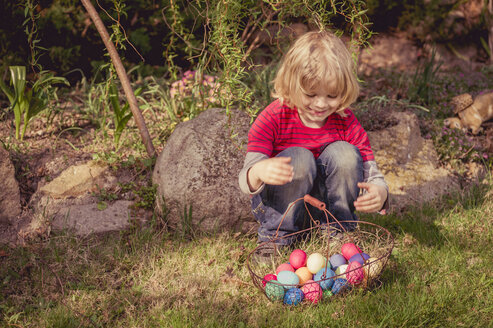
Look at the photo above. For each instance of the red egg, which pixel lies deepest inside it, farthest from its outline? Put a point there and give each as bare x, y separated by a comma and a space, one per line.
312, 291
284, 267
356, 276
297, 258
349, 249
268, 277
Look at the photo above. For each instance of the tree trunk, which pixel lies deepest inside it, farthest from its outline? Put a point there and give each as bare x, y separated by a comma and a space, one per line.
122, 75
489, 23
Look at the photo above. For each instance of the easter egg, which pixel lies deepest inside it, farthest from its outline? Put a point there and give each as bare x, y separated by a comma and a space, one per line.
304, 274
373, 267
288, 278
284, 267
339, 286
274, 292
312, 291
340, 270
293, 296
327, 294
268, 277
315, 262
337, 260
297, 258
354, 273
349, 249
324, 278
360, 258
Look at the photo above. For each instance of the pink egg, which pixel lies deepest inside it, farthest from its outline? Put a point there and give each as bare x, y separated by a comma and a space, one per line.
312, 290
297, 258
268, 277
356, 276
284, 267
349, 249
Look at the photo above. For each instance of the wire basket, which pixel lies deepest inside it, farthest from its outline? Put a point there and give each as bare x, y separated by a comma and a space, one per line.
373, 243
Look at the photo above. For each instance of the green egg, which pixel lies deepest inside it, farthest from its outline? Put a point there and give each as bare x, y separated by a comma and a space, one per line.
274, 291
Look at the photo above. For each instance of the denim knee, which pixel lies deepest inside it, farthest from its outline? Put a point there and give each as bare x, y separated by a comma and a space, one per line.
342, 158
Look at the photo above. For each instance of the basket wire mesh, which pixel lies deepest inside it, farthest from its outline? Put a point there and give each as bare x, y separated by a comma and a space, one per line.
372, 240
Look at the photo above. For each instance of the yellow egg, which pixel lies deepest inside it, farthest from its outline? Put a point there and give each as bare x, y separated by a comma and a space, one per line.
340, 270
372, 270
315, 262
304, 274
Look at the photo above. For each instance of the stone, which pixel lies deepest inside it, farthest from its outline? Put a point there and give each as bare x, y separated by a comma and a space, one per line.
409, 163
76, 181
85, 219
10, 199
199, 167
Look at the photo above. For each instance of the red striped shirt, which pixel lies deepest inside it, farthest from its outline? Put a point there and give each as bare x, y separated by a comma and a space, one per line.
279, 127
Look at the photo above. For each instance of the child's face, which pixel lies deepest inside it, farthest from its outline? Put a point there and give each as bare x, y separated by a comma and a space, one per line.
317, 106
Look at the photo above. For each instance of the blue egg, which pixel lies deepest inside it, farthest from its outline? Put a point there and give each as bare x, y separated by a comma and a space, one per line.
339, 286
325, 278
360, 258
288, 278
293, 296
337, 260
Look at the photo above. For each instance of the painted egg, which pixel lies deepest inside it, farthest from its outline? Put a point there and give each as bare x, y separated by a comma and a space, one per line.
327, 294
288, 278
315, 262
354, 273
324, 278
293, 296
349, 249
360, 258
340, 270
268, 277
284, 267
274, 292
312, 291
373, 267
337, 260
297, 258
339, 286
304, 274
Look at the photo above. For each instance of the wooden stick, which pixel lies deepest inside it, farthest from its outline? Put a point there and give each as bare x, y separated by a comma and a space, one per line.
122, 75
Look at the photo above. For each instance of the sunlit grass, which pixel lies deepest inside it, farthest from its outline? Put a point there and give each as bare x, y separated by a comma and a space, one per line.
439, 275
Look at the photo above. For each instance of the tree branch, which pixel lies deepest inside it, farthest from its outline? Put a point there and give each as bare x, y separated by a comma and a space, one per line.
122, 75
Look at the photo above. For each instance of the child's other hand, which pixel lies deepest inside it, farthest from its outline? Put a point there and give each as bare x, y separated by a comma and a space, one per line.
273, 171
373, 200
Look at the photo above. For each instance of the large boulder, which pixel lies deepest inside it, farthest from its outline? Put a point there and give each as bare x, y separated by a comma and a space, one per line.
409, 163
199, 167
10, 199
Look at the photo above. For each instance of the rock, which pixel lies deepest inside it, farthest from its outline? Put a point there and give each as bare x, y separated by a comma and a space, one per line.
199, 167
67, 203
10, 199
409, 163
84, 219
76, 181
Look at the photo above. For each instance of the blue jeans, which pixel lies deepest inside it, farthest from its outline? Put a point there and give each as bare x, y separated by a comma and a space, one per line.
331, 178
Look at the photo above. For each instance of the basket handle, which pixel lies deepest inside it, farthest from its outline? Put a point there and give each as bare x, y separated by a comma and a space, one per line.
314, 202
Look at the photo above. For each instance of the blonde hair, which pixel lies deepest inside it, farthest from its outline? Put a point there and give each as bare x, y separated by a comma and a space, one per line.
315, 60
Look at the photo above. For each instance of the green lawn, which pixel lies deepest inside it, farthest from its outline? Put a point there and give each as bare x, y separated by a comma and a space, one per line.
440, 274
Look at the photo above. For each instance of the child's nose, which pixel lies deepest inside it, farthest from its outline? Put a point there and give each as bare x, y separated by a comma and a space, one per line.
321, 102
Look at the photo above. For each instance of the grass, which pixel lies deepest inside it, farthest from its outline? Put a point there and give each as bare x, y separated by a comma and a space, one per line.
440, 274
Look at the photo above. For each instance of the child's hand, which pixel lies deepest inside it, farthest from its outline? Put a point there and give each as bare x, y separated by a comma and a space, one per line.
373, 200
273, 171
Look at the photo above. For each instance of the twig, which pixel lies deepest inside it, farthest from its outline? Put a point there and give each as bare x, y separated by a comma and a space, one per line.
122, 75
